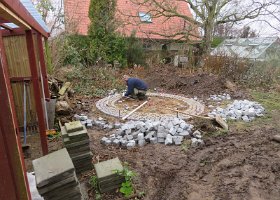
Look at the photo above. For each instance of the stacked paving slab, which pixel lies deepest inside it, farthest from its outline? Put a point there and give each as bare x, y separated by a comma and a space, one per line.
108, 179
56, 178
76, 141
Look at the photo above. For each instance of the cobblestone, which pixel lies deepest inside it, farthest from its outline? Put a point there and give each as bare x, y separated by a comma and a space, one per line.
195, 107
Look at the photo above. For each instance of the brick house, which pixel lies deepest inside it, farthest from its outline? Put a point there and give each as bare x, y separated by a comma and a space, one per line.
139, 19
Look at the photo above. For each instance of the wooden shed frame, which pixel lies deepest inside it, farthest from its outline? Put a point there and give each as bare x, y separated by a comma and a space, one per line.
12, 169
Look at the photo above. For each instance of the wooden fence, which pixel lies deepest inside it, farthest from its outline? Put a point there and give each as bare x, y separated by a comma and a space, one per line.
19, 73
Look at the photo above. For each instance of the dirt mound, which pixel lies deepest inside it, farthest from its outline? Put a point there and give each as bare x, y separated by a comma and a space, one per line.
181, 81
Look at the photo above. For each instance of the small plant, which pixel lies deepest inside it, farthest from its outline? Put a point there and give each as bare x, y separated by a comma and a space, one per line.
186, 145
127, 187
94, 184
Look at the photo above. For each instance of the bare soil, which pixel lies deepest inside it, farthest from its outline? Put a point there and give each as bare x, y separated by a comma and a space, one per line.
243, 164
155, 105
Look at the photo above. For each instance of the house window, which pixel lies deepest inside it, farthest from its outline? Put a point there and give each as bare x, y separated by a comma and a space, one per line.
145, 17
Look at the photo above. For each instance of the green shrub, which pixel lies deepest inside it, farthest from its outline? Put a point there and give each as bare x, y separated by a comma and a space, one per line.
135, 51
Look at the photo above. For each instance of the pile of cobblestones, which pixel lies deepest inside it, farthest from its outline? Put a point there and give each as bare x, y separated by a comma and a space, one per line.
219, 97
166, 131
239, 110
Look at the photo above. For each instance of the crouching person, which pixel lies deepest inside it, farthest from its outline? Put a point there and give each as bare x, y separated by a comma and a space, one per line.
136, 88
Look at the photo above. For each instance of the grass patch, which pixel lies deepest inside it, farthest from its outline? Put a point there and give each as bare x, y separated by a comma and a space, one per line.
269, 100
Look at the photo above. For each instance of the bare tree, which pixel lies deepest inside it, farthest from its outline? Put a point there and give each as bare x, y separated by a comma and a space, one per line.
207, 13
52, 14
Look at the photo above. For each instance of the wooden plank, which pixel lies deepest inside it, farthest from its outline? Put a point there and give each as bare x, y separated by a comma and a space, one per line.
64, 88
125, 117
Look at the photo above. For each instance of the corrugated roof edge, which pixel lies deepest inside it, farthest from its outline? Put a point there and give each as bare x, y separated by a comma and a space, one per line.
34, 13
17, 7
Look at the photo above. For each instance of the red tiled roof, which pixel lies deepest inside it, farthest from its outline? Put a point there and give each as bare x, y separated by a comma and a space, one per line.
128, 17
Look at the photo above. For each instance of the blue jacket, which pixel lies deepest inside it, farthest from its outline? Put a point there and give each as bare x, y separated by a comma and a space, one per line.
135, 83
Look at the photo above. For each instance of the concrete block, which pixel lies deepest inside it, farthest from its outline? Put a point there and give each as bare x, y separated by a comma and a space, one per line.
161, 129
116, 142
108, 142
141, 143
183, 125
180, 130
185, 134
172, 131
161, 134
197, 132
128, 131
168, 140
154, 140
177, 140
131, 144
117, 125
83, 117
160, 140
129, 137
140, 136
89, 125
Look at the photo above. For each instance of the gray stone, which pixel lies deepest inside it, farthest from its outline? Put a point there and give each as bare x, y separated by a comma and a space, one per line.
89, 125
117, 125
103, 140
177, 140
140, 136
128, 131
154, 140
183, 125
83, 117
168, 140
161, 135
161, 129
124, 142
160, 140
131, 144
172, 131
108, 142
184, 134
141, 143
180, 130
116, 142
129, 137
245, 119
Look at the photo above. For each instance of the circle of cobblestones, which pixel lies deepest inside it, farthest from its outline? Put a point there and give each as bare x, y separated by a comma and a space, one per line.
108, 106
